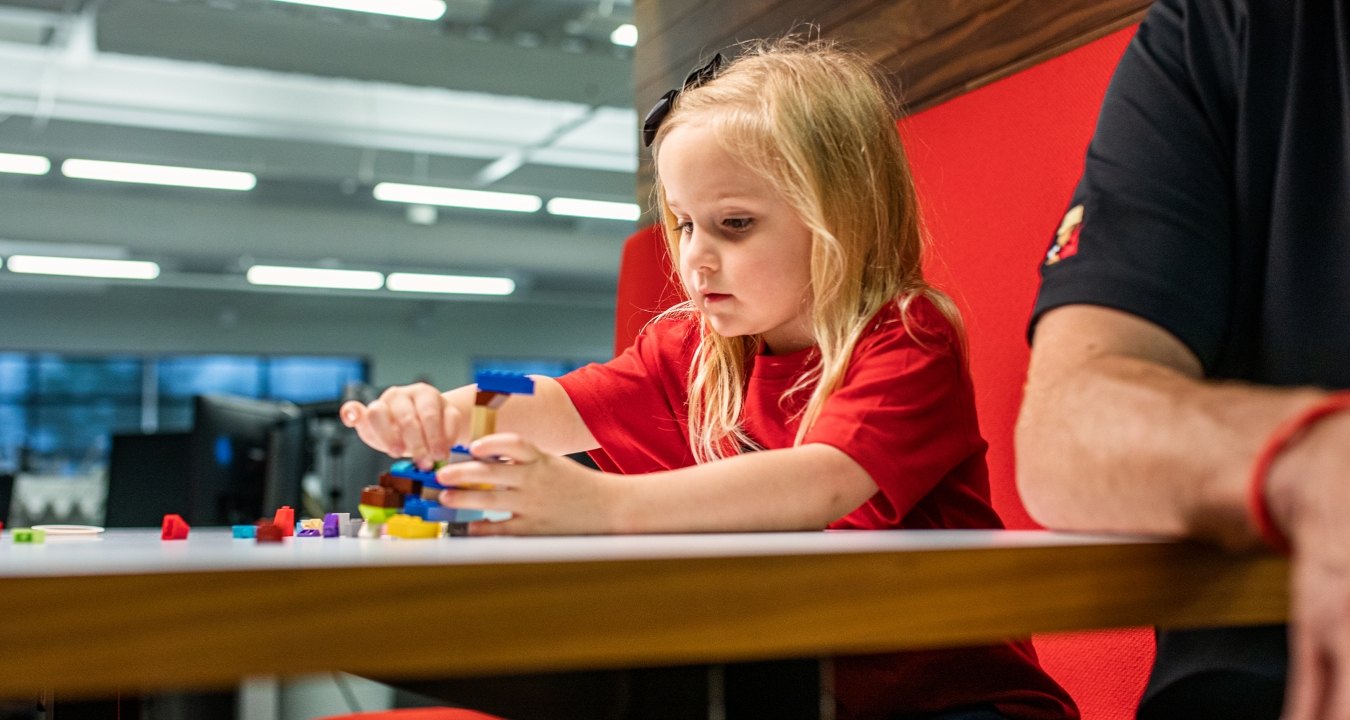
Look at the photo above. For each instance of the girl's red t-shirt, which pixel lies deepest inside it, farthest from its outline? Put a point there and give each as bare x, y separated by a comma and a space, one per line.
905, 413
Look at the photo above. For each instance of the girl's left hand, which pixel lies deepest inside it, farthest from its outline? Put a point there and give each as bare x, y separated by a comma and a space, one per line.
546, 494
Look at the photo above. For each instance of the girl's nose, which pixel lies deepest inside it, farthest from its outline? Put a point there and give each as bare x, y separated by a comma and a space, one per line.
698, 253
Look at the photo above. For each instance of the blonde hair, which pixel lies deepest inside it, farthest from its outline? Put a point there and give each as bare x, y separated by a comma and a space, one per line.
817, 123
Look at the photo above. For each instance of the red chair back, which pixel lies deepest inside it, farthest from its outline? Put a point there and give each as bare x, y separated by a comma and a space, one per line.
995, 168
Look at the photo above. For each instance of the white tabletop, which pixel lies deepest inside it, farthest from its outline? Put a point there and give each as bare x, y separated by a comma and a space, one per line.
214, 549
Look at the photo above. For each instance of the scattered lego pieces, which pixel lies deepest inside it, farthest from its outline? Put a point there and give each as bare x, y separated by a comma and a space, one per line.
285, 519
269, 532
354, 527
308, 533
311, 524
244, 532
29, 536
174, 528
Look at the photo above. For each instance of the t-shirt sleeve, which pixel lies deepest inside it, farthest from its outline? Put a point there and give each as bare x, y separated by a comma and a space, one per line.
905, 411
641, 388
1148, 230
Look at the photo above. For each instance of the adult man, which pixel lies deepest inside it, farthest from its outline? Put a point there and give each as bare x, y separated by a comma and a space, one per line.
1191, 317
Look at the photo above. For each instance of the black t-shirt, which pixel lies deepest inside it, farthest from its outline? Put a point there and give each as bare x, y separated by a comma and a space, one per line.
1215, 203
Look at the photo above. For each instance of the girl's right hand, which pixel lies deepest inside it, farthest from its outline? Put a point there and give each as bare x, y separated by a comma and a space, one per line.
412, 421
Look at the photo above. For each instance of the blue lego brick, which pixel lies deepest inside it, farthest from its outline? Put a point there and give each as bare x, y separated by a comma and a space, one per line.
418, 507
453, 515
244, 532
406, 469
504, 382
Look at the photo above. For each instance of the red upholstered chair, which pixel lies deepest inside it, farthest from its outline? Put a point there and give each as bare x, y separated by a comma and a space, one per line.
994, 168
647, 284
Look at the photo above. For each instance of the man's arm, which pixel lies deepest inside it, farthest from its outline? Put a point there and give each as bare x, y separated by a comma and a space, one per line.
1119, 432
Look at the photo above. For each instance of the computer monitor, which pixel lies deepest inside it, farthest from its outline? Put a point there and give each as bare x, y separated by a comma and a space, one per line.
246, 458
148, 478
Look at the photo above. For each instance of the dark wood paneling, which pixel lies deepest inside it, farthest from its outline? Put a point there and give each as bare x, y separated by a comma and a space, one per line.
935, 50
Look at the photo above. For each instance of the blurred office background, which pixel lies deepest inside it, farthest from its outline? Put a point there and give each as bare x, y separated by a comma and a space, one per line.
341, 131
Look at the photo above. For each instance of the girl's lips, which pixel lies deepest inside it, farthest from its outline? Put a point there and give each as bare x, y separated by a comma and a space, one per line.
714, 297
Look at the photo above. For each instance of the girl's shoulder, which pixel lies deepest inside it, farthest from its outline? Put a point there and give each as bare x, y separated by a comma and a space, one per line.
918, 317
670, 334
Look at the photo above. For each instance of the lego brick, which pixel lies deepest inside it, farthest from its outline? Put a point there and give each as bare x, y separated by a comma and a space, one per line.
173, 528
29, 536
309, 533
311, 524
285, 519
418, 507
380, 497
244, 532
376, 515
403, 483
504, 382
332, 524
269, 532
410, 527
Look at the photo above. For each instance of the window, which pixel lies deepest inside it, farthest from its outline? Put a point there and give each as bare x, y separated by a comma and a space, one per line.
58, 411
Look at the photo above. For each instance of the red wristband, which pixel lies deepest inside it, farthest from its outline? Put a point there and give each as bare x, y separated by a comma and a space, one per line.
1257, 506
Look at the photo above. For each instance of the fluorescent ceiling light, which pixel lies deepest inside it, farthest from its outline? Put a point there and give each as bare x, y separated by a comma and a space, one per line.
460, 284
158, 175
625, 35
577, 207
315, 277
415, 9
454, 197
84, 267
24, 164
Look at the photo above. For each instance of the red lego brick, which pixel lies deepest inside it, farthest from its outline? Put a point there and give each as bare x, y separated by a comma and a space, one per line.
285, 519
174, 528
270, 532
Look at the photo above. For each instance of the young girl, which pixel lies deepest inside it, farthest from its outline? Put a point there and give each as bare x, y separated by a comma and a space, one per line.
812, 379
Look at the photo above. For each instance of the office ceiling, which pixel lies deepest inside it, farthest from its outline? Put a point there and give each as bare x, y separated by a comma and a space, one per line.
525, 96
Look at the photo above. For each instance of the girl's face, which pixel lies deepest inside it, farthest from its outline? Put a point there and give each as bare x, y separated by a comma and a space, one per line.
745, 256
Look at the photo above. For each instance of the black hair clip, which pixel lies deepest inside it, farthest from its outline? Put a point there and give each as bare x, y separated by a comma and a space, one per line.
661, 109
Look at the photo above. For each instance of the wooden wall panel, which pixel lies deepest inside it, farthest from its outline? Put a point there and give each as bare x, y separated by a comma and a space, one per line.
936, 49
933, 49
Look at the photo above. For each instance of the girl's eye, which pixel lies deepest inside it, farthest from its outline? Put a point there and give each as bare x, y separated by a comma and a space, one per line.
683, 228
738, 224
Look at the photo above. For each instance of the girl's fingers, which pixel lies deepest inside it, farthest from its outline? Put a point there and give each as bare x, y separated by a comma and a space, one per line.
352, 413
463, 499
509, 446
431, 436
383, 432
478, 475
484, 528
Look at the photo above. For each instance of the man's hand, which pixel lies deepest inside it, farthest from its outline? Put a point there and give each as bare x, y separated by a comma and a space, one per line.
1309, 496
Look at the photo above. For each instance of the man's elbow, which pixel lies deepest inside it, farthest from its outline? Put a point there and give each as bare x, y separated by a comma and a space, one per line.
1042, 473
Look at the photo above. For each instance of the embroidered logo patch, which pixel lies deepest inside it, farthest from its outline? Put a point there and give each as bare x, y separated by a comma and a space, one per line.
1066, 240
